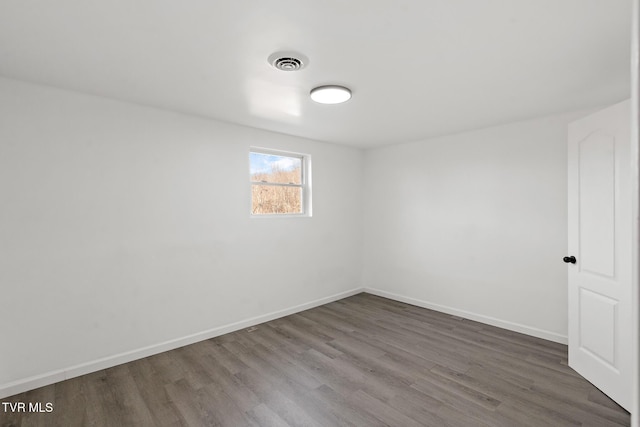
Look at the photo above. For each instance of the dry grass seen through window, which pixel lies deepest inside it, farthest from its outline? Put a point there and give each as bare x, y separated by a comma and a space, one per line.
273, 199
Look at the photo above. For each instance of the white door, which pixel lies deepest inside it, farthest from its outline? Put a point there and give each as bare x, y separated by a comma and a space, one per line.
600, 341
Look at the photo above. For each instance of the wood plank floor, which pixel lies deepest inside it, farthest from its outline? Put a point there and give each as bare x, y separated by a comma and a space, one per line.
361, 361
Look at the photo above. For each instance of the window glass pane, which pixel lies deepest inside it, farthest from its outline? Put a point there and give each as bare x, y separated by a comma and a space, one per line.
272, 199
273, 168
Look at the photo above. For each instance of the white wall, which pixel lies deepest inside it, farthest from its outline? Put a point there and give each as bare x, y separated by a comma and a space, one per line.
125, 230
123, 227
474, 224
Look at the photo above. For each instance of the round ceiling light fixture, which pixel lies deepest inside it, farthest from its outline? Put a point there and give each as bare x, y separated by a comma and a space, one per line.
330, 94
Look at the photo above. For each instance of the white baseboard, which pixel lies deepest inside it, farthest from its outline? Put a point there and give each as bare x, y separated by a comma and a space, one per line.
26, 384
516, 327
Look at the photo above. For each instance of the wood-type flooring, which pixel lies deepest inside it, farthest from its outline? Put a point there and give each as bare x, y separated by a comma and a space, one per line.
361, 361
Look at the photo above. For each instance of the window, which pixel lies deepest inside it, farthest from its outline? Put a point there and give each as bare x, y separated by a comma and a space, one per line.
279, 183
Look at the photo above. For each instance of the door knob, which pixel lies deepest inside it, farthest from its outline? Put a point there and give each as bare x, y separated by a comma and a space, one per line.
569, 259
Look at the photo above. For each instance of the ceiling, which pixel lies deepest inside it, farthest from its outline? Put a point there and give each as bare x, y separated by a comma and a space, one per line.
417, 68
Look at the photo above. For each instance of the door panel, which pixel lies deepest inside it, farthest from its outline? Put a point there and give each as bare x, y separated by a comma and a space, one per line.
597, 201
597, 320
600, 239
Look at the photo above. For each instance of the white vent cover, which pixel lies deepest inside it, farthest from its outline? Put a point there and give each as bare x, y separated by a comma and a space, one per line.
288, 61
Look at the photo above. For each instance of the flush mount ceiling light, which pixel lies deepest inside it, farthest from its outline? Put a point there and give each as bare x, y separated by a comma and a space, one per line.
331, 94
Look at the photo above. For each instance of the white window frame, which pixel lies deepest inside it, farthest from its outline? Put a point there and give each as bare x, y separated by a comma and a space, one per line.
305, 183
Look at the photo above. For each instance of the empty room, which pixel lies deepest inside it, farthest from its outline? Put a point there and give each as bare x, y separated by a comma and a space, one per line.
336, 213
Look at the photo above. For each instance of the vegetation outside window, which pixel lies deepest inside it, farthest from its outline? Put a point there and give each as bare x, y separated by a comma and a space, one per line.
279, 183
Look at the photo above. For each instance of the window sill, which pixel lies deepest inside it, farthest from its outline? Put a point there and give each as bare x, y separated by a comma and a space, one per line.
271, 216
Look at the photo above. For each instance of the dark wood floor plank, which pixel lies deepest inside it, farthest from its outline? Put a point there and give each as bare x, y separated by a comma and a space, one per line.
289, 367
222, 355
346, 414
578, 409
380, 410
456, 418
220, 408
557, 406
127, 397
315, 342
360, 361
265, 417
279, 402
150, 385
189, 362
270, 337
186, 402
103, 406
225, 381
418, 406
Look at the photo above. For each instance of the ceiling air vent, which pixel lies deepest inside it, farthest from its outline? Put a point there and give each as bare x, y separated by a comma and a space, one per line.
288, 61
